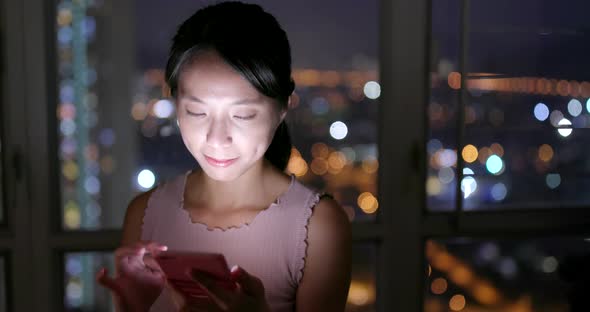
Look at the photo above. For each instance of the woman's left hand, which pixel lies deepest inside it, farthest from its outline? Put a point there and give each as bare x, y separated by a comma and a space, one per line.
249, 294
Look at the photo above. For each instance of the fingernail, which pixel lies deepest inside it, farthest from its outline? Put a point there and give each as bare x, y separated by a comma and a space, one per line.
164, 247
234, 269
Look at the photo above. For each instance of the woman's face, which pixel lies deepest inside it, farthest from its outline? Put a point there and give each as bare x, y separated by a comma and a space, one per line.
225, 123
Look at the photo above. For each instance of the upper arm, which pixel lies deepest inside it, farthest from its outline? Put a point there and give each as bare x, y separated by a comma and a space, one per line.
326, 274
134, 218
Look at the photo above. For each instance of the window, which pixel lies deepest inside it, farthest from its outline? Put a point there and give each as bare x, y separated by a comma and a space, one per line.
524, 105
117, 134
455, 79
505, 163
530, 274
82, 293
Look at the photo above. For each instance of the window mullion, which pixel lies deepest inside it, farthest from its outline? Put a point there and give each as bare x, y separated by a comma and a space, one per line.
39, 155
404, 29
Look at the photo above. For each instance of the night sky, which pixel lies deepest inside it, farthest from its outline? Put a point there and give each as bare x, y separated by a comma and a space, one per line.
522, 38
325, 34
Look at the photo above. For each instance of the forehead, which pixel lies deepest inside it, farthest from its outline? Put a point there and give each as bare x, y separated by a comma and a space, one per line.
208, 74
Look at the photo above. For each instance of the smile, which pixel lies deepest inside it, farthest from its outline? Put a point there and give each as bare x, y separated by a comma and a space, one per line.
220, 162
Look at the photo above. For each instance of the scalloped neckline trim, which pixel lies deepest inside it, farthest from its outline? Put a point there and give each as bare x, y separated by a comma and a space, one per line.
231, 228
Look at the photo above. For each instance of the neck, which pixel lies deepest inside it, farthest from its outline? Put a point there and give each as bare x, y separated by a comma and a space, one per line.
247, 190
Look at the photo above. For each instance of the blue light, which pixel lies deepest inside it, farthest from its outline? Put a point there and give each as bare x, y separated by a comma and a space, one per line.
499, 191
553, 180
64, 35
146, 179
446, 175
106, 137
574, 107
433, 145
588, 105
372, 90
88, 27
468, 186
489, 252
494, 164
73, 266
338, 130
508, 267
319, 106
541, 112
66, 93
92, 185
67, 127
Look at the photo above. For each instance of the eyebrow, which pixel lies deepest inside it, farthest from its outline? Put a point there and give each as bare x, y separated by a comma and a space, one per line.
238, 102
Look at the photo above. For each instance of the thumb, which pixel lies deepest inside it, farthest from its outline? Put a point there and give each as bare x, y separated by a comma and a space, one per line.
250, 284
106, 281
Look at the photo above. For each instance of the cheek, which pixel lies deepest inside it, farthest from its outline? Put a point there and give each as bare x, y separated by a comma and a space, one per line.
190, 131
256, 136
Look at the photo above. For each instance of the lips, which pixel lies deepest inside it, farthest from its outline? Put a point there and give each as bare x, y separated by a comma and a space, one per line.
220, 162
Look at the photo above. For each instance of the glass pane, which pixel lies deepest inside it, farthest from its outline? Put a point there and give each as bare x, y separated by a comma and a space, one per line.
336, 98
545, 274
82, 293
361, 295
527, 107
86, 137
116, 141
442, 118
3, 288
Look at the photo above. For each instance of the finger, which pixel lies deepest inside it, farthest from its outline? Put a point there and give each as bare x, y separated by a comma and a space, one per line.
131, 261
249, 284
150, 245
155, 248
152, 264
122, 251
103, 279
128, 251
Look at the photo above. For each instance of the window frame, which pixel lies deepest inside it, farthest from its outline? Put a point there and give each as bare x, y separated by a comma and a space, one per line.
35, 245
412, 223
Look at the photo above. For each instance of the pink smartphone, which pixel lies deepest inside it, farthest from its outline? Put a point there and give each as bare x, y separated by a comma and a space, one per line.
178, 267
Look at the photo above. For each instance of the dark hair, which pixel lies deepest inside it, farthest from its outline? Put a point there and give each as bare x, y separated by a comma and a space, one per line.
253, 43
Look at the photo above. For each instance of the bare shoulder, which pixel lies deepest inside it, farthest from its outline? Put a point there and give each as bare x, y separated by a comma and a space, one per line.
329, 218
134, 218
326, 274
329, 230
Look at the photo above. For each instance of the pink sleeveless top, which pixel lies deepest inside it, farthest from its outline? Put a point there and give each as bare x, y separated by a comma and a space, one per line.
272, 247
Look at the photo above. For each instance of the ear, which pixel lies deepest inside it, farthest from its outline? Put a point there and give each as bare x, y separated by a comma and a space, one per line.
166, 91
290, 102
289, 106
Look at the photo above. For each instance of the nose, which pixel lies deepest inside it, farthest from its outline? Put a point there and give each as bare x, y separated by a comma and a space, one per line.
218, 134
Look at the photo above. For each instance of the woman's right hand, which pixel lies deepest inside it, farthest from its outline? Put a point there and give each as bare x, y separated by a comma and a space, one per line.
139, 280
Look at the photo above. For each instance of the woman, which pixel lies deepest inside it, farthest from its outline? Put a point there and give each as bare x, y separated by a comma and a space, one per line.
229, 71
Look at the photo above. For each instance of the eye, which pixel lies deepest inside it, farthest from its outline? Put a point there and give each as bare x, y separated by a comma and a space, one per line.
195, 114
248, 117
